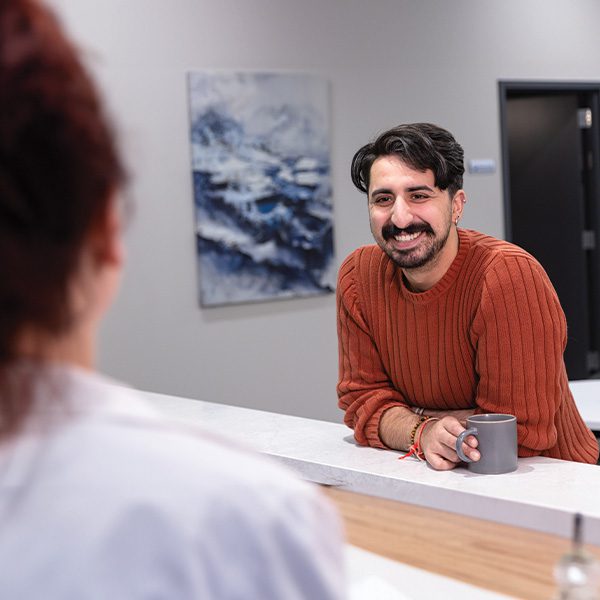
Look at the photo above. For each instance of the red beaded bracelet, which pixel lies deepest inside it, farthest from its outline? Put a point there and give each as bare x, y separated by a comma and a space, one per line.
412, 448
415, 447
420, 454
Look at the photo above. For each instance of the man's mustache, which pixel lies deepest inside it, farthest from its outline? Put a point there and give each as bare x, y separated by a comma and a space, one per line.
390, 230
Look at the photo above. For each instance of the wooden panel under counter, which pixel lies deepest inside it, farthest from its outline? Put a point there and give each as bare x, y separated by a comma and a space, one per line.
510, 560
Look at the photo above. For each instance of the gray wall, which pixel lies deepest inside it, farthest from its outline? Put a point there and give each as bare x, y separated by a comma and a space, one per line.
389, 61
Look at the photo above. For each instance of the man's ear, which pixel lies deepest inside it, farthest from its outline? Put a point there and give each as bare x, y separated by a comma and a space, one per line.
458, 203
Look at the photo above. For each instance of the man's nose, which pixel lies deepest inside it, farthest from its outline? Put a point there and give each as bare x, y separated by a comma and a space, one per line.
401, 213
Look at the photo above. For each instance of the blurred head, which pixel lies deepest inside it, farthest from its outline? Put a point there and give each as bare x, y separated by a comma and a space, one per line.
420, 146
59, 174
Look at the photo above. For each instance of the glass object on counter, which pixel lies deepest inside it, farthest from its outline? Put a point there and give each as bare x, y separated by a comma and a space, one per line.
577, 573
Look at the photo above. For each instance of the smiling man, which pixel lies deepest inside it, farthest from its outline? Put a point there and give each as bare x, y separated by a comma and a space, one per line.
436, 323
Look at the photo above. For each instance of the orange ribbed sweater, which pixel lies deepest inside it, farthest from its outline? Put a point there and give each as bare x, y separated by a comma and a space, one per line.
490, 334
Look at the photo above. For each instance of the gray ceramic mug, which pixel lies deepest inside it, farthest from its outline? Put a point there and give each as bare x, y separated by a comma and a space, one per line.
497, 437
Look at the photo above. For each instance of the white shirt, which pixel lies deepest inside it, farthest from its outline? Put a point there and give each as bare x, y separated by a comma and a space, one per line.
102, 499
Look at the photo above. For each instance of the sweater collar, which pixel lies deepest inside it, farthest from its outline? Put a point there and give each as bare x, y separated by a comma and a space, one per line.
448, 279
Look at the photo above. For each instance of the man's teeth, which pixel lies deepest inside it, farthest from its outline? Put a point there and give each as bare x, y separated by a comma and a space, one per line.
406, 237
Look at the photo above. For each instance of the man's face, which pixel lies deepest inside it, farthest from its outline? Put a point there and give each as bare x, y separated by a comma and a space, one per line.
410, 217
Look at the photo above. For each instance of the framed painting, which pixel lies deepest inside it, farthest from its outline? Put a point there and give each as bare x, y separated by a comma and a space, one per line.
261, 181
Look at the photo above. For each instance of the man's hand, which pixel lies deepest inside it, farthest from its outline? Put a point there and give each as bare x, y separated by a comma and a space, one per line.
438, 443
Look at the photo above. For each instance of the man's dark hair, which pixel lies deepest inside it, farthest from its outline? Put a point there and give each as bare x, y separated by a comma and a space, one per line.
421, 146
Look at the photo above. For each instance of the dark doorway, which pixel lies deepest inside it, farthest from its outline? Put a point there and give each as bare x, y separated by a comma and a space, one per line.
550, 137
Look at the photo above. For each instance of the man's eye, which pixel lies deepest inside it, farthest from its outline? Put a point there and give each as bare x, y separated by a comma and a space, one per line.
419, 197
382, 200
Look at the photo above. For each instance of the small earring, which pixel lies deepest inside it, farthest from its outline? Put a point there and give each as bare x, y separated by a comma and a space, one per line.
456, 220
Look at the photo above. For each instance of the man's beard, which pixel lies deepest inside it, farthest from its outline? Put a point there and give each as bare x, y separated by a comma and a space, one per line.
419, 256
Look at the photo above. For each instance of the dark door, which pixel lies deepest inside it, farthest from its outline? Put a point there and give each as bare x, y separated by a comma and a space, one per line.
548, 146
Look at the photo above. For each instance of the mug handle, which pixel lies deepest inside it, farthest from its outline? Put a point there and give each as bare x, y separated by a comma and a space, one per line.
459, 442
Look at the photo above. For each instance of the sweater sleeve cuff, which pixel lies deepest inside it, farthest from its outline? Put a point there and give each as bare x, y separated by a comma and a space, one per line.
371, 429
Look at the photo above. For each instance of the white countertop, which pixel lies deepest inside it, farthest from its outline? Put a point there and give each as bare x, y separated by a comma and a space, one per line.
543, 494
587, 397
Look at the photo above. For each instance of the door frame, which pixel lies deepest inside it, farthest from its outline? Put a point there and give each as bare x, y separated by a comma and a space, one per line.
505, 87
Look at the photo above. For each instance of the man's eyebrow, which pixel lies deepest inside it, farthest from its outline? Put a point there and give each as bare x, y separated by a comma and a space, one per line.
419, 188
414, 188
380, 191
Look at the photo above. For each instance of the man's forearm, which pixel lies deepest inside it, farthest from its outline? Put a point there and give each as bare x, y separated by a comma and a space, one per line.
395, 426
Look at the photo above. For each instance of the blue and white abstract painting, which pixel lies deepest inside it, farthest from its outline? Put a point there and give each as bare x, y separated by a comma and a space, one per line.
262, 191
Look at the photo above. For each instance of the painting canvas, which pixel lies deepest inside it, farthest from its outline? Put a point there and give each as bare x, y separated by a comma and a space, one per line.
262, 191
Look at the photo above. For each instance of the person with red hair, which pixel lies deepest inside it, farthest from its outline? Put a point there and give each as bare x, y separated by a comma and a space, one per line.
100, 497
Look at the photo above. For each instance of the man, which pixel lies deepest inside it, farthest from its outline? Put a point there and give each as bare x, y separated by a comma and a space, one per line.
446, 322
